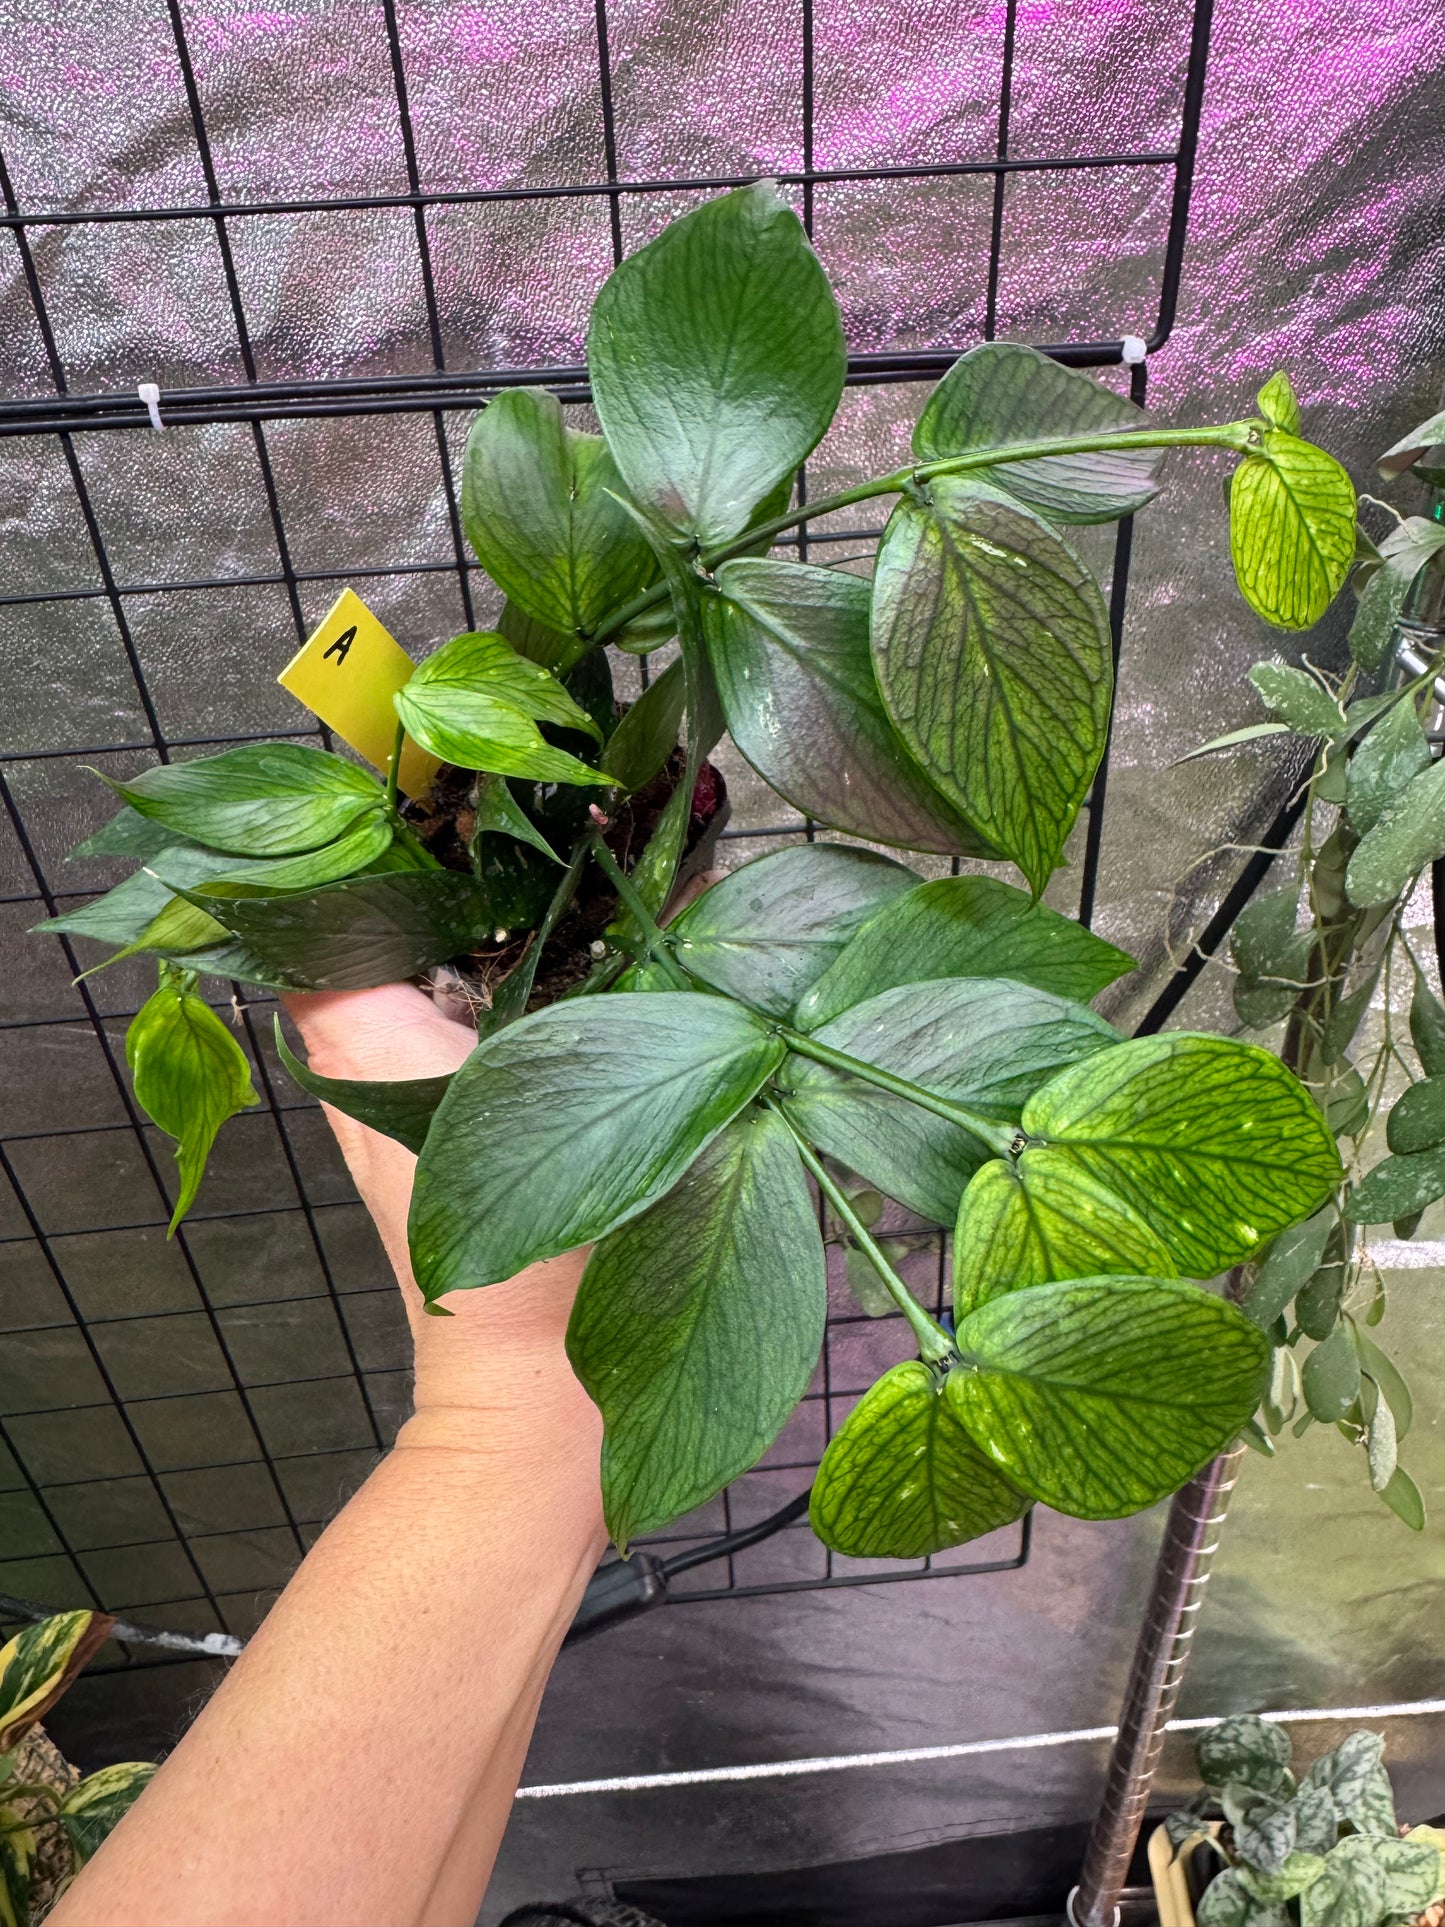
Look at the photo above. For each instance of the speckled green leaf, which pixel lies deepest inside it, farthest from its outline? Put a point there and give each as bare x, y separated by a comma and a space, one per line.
1289, 1262
1247, 1750
1213, 1143
697, 1325
1350, 1892
991, 647
570, 1122
1291, 529
1294, 695
1383, 766
1408, 837
1417, 1121
1397, 1187
984, 1043
902, 1478
964, 927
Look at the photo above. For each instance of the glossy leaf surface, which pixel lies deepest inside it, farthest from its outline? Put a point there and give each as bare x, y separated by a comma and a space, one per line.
1003, 393
991, 647
647, 735
476, 703
1101, 1396
266, 799
698, 1324
789, 648
902, 1478
568, 1123
1408, 836
716, 358
402, 1108
1291, 529
1394, 753
1397, 1187
1213, 1143
983, 1043
964, 927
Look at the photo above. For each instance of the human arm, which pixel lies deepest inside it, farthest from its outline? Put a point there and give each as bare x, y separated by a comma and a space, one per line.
358, 1764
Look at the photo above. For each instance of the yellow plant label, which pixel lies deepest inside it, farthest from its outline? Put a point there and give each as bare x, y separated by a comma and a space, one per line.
346, 673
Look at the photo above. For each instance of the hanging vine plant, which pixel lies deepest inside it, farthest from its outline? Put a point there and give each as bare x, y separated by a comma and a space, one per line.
824, 1014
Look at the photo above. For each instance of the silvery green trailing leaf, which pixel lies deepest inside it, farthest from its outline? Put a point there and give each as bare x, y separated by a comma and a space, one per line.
1427, 1027
717, 359
570, 1122
1387, 1377
1397, 1187
1355, 1777
1417, 1121
642, 742
190, 1075
698, 1325
1412, 1872
992, 651
90, 1811
982, 1043
964, 927
1317, 1307
1298, 1871
1226, 1902
1404, 1499
1405, 551
1331, 1376
1039, 1219
789, 645
266, 799
476, 703
1291, 529
1317, 1818
1213, 1143
1101, 1396
1272, 957
1408, 837
1297, 699
1351, 1890
767, 931
1288, 1264
539, 505
901, 1478
1003, 393
1382, 1445
1394, 753
368, 930
1277, 403
402, 1108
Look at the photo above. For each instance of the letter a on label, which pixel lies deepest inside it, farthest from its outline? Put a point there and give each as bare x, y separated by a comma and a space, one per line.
346, 673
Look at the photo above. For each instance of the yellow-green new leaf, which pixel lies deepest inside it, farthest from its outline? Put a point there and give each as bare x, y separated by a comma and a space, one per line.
1291, 529
89, 1811
190, 1075
1101, 1396
39, 1664
901, 1477
476, 703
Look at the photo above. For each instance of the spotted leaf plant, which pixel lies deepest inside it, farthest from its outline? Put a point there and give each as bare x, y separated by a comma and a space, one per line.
827, 1019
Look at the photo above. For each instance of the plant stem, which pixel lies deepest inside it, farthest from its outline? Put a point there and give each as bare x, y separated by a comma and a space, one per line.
934, 1344
1238, 435
655, 944
998, 1137
393, 765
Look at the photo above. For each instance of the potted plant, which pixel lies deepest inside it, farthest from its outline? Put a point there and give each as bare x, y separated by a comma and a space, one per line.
1257, 1847
824, 1013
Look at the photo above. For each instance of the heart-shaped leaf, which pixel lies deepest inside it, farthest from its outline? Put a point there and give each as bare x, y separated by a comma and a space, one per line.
1394, 753
1244, 1748
980, 1042
1351, 1891
402, 1108
1227, 1902
1102, 1396
264, 799
1213, 1143
190, 1075
789, 648
1039, 1219
568, 1123
717, 359
901, 1477
476, 703
991, 647
1291, 529
964, 927
539, 505
1408, 836
697, 1325
1003, 393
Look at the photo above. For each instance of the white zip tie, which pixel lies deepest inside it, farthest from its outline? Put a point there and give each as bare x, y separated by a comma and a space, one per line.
1135, 350
965, 1749
150, 394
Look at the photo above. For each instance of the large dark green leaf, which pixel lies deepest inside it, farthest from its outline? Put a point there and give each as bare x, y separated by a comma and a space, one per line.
560, 1128
789, 647
476, 703
1397, 1188
717, 359
991, 647
697, 1325
901, 1477
265, 799
540, 507
766, 931
368, 930
1291, 529
1213, 1143
649, 732
190, 1075
1291, 1261
1102, 1396
1003, 393
1040, 1218
1408, 836
1395, 752
964, 927
982, 1043
402, 1108
1297, 699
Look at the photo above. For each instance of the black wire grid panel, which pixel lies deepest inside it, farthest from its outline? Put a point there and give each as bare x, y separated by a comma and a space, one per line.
179, 1419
